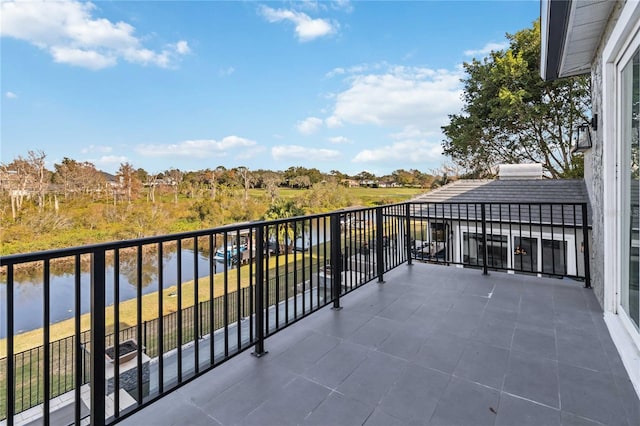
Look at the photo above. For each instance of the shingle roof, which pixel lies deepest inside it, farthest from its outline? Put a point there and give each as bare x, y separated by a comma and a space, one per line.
510, 193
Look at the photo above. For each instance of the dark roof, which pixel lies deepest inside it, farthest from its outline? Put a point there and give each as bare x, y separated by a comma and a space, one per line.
510, 191
544, 197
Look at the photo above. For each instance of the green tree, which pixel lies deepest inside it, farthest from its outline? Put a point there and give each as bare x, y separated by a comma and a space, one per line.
510, 115
285, 232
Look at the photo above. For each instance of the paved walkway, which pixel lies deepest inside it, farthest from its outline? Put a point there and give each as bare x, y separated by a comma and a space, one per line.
433, 345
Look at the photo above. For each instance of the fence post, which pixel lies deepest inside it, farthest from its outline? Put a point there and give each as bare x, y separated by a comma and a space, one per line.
96, 357
585, 242
379, 245
259, 348
485, 250
336, 260
407, 238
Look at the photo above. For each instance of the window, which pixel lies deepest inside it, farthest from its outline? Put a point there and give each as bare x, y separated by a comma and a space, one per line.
629, 296
525, 254
554, 257
473, 250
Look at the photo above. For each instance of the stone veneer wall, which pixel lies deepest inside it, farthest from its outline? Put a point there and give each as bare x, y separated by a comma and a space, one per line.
593, 165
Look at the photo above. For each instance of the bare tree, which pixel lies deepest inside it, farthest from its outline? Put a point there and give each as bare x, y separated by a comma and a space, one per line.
128, 181
247, 180
174, 178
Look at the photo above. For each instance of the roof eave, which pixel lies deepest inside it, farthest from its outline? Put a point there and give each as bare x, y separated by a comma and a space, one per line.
554, 25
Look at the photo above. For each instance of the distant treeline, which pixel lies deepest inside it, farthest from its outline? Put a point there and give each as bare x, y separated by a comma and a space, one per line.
75, 203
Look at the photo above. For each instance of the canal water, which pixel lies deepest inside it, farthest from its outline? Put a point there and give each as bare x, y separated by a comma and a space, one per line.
29, 299
28, 287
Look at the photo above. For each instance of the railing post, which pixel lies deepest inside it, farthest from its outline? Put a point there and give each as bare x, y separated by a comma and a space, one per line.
144, 337
407, 238
10, 382
585, 242
260, 326
379, 245
485, 250
336, 261
96, 357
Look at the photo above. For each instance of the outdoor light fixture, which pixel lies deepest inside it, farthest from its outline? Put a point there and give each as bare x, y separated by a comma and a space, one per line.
583, 134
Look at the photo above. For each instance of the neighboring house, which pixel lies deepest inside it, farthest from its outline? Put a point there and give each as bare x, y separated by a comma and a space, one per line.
532, 225
603, 39
350, 183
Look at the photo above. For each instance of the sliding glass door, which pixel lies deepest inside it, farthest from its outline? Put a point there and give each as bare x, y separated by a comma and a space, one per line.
630, 125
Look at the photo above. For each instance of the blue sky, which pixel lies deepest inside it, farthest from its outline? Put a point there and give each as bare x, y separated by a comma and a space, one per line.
339, 85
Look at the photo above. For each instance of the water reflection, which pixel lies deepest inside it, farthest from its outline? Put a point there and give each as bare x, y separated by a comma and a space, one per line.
28, 284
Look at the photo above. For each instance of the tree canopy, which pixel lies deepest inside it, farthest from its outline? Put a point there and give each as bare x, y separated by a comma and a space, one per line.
510, 115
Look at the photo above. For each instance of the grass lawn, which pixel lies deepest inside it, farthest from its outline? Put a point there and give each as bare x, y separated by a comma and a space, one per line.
128, 308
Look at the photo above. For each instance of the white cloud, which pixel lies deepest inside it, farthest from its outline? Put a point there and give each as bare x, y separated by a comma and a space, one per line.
70, 33
297, 152
333, 122
96, 148
197, 148
306, 28
109, 161
223, 72
182, 47
10, 95
309, 125
338, 140
335, 71
409, 151
343, 5
413, 132
399, 96
488, 48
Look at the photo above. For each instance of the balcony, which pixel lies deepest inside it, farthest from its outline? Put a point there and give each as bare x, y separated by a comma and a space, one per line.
528, 345
431, 345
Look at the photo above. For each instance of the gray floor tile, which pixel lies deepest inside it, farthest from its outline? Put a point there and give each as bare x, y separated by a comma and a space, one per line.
401, 309
516, 411
570, 419
629, 398
537, 343
461, 324
581, 351
374, 332
494, 331
373, 378
505, 303
343, 323
350, 366
405, 342
441, 351
337, 364
183, 412
239, 400
533, 378
483, 364
468, 303
414, 397
380, 418
306, 352
288, 406
590, 394
465, 403
339, 410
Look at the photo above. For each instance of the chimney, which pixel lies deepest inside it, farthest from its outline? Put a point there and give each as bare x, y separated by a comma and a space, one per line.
519, 171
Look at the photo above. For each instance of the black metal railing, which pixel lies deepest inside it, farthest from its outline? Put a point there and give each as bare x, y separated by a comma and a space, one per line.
550, 239
228, 289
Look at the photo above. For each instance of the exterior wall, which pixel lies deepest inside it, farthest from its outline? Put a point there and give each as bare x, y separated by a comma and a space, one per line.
604, 180
593, 167
572, 236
